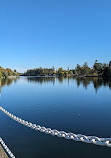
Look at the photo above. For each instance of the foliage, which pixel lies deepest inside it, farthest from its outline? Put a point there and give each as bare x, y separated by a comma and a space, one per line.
98, 69
7, 72
48, 72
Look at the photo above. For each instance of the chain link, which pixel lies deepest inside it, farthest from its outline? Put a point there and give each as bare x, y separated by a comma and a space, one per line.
6, 148
72, 136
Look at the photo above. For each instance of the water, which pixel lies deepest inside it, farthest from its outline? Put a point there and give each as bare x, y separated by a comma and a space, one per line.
78, 105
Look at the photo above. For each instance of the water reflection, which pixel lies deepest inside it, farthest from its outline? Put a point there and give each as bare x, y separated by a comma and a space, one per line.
84, 81
97, 82
41, 80
7, 81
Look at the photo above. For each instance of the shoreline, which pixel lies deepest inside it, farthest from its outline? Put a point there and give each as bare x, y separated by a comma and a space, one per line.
2, 152
9, 77
60, 76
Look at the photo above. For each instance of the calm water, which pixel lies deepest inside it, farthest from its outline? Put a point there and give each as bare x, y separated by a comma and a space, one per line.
71, 104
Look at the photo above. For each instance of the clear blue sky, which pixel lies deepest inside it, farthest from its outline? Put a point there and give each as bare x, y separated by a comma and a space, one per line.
48, 33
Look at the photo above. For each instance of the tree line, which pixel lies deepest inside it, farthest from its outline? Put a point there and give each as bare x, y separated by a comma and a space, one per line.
4, 73
98, 69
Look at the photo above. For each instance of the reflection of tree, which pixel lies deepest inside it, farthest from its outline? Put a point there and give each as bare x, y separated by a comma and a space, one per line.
7, 81
97, 82
107, 82
82, 80
85, 81
61, 79
41, 80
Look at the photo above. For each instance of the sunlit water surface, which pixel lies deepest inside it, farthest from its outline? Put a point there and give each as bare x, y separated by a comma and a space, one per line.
78, 105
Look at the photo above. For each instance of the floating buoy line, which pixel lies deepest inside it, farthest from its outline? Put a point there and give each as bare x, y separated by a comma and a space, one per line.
76, 137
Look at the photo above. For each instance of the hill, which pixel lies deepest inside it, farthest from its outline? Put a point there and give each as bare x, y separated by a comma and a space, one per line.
7, 72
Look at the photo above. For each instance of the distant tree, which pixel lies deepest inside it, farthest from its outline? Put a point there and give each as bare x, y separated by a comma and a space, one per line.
53, 68
107, 70
110, 64
68, 68
0, 74
86, 70
6, 72
60, 71
71, 72
78, 69
97, 67
15, 70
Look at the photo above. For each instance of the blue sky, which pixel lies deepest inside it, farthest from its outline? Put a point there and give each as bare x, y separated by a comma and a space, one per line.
48, 33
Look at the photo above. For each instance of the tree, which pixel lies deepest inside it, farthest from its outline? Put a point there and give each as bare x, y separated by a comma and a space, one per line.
15, 70
0, 74
107, 71
110, 64
78, 69
60, 71
86, 70
97, 67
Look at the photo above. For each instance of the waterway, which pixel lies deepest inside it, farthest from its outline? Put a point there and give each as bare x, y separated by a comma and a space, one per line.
78, 105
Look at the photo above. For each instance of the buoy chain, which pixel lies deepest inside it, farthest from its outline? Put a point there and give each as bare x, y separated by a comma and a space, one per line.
77, 137
6, 149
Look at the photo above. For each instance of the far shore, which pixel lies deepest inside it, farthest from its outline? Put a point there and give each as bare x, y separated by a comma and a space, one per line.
10, 77
63, 76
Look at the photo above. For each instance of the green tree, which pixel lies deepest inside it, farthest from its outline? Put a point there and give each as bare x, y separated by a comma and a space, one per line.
60, 71
15, 70
78, 69
97, 67
0, 74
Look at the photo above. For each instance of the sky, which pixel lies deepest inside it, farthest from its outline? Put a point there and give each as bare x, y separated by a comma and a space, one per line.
59, 33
